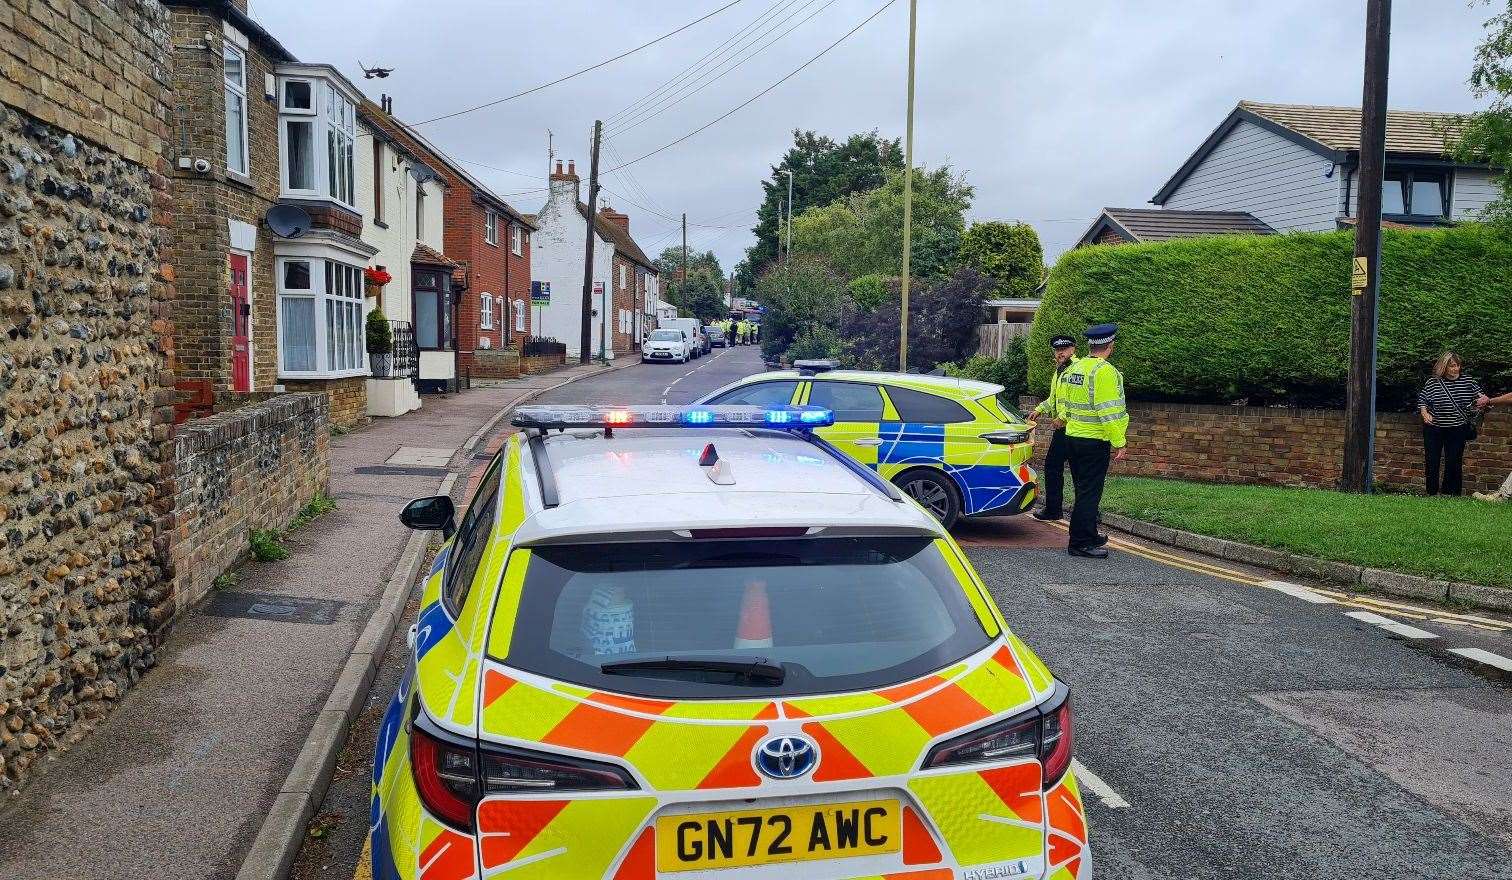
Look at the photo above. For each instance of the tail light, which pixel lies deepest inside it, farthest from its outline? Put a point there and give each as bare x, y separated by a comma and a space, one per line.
452, 774
1043, 732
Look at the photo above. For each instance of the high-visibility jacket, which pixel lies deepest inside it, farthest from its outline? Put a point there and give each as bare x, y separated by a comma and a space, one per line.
1090, 397
1048, 407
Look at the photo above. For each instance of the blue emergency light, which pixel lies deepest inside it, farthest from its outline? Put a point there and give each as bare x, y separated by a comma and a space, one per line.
786, 418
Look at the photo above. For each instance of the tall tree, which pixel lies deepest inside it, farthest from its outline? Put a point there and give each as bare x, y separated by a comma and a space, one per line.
823, 171
701, 296
669, 264
862, 234
1008, 253
1487, 136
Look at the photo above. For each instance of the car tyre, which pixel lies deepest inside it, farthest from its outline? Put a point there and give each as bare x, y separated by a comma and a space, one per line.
936, 492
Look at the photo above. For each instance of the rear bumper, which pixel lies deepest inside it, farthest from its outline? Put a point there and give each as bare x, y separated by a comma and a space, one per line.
1019, 502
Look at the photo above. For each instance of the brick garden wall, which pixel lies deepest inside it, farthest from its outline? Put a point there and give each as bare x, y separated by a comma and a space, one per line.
541, 363
498, 363
348, 398
86, 365
251, 468
1289, 447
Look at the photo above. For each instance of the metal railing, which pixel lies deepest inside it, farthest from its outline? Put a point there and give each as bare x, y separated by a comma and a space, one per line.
401, 363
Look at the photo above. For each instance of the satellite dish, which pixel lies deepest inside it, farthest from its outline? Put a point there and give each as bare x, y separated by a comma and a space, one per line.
288, 221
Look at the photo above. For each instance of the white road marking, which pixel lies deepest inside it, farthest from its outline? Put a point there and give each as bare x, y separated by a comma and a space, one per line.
1486, 657
1105, 793
1391, 626
1298, 591
668, 390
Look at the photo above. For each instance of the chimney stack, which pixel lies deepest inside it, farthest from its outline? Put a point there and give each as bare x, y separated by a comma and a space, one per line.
615, 217
564, 185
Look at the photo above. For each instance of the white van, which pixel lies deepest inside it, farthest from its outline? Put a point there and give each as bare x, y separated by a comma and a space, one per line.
697, 344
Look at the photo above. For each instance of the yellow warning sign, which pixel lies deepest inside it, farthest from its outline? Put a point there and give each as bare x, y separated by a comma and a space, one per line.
1361, 275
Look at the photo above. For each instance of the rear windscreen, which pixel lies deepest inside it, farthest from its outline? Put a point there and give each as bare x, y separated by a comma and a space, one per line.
836, 614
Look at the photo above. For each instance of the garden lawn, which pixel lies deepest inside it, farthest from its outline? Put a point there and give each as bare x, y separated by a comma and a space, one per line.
1457, 539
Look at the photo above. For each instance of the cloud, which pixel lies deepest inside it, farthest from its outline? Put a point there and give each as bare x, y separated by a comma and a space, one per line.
1054, 109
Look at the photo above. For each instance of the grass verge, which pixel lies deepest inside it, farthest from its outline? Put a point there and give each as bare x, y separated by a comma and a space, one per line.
1458, 539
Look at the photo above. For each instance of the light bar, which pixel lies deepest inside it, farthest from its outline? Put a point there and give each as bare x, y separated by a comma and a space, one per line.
785, 418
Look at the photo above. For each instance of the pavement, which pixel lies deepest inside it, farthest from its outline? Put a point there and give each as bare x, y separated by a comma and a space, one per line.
176, 782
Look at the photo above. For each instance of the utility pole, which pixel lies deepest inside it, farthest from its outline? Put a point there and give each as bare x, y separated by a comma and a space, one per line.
790, 212
1365, 284
913, 28
585, 336
682, 275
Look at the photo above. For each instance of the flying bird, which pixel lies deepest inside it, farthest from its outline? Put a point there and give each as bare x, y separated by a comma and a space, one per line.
374, 72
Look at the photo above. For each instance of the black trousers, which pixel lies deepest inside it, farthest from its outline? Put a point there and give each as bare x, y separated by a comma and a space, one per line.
1089, 470
1053, 477
1446, 445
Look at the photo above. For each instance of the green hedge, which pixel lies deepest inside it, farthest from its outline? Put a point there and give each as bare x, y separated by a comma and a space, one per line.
1267, 317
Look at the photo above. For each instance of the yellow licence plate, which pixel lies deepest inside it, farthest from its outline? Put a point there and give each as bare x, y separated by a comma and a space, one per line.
699, 841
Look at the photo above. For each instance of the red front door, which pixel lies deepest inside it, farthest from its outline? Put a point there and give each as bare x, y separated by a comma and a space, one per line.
241, 317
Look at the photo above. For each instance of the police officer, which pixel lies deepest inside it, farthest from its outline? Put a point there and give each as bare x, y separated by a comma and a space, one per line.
1064, 350
1090, 399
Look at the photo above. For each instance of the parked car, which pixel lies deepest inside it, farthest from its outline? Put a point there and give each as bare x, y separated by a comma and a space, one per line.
950, 443
698, 344
641, 655
716, 337
666, 344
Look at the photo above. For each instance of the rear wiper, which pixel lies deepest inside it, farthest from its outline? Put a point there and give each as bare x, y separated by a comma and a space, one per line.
757, 670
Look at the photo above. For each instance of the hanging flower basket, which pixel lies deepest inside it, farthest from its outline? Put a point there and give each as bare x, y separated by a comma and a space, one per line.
376, 276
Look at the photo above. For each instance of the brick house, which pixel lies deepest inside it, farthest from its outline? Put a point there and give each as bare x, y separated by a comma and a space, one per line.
258, 131
488, 242
629, 271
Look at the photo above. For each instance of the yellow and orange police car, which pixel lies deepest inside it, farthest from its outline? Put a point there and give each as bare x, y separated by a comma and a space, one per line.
703, 643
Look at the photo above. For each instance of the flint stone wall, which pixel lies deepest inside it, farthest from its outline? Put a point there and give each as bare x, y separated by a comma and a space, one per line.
86, 343
249, 469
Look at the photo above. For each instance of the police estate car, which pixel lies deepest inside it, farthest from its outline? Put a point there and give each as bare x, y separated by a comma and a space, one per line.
716, 649
949, 443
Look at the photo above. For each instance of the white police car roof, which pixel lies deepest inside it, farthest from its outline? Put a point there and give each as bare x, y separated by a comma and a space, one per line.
647, 484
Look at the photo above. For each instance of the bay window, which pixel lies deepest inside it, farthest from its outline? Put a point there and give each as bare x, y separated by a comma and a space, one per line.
317, 134
234, 68
320, 318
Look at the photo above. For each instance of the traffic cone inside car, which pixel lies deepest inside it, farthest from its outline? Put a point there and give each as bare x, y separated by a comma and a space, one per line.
755, 630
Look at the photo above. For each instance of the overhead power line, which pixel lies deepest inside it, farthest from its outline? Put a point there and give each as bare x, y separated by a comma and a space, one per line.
718, 73
759, 94
691, 68
577, 73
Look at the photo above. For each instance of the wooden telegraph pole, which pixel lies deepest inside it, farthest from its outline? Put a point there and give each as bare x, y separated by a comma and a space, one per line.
585, 334
1365, 284
913, 27
682, 274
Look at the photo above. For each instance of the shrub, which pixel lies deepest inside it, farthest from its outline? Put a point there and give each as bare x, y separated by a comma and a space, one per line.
820, 344
1010, 370
1266, 318
267, 545
942, 324
1008, 253
380, 336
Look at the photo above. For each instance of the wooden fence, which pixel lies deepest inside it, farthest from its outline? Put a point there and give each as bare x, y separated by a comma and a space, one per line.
993, 339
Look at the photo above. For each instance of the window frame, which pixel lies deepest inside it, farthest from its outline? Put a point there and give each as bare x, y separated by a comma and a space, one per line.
485, 503
350, 334
490, 227
897, 395
516, 239
420, 212
1405, 177
816, 383
380, 158
332, 118
519, 316
721, 399
485, 311
239, 91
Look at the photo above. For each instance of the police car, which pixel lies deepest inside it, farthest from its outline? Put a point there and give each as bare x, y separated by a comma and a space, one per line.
702, 643
950, 443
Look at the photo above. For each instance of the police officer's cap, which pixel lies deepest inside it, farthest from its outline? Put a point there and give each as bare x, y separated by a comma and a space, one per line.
1062, 341
1102, 334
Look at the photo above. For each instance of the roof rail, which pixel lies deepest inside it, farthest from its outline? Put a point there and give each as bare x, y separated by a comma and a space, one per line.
544, 475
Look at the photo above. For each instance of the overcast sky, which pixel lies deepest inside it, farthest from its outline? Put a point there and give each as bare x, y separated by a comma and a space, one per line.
1052, 108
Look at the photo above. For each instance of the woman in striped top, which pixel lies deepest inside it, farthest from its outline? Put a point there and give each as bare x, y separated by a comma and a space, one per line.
1446, 403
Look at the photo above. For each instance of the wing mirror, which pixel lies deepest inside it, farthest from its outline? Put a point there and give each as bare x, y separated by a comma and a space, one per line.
436, 513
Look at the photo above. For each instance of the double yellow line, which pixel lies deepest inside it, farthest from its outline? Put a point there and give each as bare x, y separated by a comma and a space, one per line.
1414, 612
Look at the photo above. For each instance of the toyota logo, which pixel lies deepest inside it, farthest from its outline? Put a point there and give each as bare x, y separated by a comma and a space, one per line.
786, 757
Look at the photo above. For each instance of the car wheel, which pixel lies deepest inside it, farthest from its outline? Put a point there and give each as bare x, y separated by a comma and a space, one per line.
935, 492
